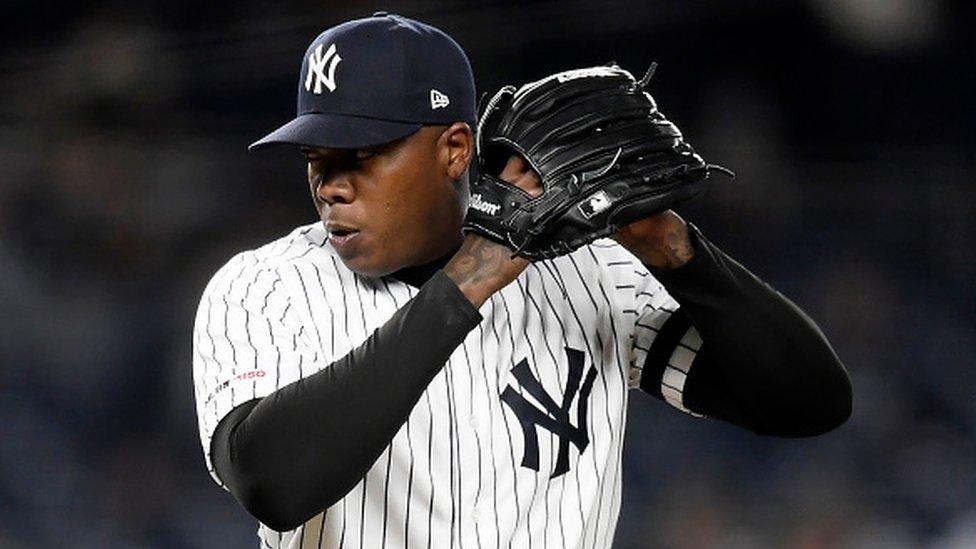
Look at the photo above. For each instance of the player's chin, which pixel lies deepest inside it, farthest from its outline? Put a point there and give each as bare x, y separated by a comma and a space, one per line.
364, 264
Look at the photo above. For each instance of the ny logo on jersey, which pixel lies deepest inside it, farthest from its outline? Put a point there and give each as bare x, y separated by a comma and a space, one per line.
555, 417
317, 65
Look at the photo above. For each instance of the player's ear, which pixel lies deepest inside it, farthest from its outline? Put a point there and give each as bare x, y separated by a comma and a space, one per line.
457, 148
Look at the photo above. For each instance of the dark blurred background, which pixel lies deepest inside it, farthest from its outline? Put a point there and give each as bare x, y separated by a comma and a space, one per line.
124, 184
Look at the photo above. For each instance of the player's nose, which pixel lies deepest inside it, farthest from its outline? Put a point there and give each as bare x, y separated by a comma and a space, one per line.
335, 189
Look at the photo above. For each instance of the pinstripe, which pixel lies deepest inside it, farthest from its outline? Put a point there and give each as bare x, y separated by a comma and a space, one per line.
518, 515
284, 312
318, 277
247, 326
325, 517
264, 306
430, 472
345, 314
362, 316
406, 519
342, 533
301, 280
359, 297
508, 429
386, 491
342, 290
491, 436
477, 437
451, 440
362, 510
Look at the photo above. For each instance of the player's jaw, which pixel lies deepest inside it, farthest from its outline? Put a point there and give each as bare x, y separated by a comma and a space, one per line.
385, 240
369, 248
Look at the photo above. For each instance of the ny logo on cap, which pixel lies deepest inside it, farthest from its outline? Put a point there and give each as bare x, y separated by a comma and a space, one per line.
438, 100
317, 69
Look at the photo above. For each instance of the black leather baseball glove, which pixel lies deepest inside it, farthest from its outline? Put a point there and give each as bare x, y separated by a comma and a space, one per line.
606, 157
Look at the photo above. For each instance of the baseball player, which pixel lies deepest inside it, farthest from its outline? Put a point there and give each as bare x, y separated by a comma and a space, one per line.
381, 378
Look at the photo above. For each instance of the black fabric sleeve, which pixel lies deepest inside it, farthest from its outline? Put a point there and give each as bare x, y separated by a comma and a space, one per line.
293, 453
763, 363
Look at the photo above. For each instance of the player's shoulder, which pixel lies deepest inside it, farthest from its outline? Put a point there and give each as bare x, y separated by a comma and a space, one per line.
605, 258
304, 245
613, 266
606, 264
305, 242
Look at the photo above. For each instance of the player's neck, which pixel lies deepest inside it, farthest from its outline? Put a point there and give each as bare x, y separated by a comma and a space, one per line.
417, 275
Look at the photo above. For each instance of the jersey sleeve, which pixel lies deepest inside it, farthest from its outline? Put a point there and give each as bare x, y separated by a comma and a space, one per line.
247, 342
663, 343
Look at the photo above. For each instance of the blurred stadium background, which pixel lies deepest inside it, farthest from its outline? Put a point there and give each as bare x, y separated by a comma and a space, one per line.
124, 184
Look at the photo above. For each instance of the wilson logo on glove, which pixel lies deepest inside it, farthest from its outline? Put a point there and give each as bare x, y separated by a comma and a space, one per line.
483, 205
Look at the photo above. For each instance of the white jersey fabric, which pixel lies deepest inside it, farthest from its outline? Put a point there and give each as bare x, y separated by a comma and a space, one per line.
453, 475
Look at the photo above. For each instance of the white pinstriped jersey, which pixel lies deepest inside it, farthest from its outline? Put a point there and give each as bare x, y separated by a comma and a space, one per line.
459, 472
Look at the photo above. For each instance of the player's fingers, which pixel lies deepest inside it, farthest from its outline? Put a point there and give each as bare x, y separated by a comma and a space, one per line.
518, 173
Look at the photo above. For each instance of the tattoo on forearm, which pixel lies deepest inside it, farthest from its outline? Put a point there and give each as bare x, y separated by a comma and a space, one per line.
668, 251
477, 263
677, 248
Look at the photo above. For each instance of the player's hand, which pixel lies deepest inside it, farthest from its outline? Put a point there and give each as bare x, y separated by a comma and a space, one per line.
660, 240
518, 173
482, 267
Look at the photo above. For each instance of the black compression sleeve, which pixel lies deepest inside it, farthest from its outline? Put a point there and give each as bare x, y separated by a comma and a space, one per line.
763, 364
290, 455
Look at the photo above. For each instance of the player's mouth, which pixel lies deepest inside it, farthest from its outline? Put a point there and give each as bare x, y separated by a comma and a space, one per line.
341, 237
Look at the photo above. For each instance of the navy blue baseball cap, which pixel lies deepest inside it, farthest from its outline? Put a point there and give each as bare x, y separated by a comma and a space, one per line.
375, 80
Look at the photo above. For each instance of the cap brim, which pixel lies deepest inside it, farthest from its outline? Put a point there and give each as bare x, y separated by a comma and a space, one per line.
336, 131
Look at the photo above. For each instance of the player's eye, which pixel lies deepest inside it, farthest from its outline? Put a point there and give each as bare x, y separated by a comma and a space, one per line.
309, 156
364, 154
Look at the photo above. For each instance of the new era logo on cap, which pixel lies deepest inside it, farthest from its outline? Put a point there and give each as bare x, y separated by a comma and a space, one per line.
317, 66
438, 100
